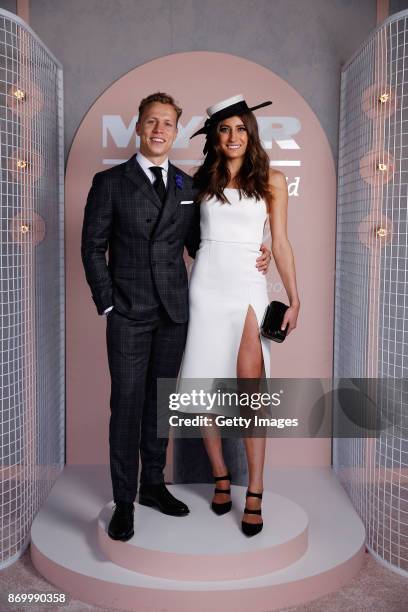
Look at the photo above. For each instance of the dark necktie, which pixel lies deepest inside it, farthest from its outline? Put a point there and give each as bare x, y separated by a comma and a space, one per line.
159, 183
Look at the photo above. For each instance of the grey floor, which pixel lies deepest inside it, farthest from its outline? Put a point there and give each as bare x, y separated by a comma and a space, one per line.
374, 589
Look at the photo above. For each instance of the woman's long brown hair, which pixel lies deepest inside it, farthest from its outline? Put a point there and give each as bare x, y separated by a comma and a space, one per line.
253, 177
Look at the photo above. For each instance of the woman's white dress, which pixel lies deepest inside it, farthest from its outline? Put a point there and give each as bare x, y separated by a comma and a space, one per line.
224, 282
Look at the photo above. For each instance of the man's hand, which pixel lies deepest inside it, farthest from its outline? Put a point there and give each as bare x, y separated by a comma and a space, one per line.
263, 261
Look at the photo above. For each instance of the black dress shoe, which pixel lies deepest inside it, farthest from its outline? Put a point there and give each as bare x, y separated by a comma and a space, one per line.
158, 496
121, 523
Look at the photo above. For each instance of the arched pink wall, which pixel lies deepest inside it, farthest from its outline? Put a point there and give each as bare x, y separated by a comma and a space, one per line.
197, 80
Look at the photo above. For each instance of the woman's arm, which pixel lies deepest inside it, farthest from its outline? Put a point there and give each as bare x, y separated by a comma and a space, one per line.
281, 248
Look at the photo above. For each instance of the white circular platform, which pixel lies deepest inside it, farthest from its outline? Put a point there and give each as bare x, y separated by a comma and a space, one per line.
204, 546
65, 547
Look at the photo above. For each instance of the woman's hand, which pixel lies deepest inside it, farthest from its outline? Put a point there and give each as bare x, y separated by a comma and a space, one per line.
290, 317
263, 261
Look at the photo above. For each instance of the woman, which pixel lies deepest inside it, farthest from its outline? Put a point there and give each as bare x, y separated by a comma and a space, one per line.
238, 195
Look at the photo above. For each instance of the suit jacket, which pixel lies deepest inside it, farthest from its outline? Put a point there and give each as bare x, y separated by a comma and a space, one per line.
145, 239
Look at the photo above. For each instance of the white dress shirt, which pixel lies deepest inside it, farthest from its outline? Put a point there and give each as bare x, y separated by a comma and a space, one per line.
145, 165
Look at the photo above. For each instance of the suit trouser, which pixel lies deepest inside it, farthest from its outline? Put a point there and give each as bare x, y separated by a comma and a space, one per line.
139, 352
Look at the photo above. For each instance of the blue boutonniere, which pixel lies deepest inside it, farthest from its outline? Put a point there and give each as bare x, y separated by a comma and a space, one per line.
179, 181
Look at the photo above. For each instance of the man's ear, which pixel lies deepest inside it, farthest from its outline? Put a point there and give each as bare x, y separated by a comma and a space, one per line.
138, 128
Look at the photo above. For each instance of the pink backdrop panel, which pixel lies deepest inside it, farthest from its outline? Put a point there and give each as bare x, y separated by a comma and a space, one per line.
296, 144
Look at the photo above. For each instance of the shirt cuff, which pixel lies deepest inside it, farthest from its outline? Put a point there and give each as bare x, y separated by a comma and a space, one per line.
105, 312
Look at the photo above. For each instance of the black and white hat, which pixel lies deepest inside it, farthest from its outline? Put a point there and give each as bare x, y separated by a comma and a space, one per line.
224, 109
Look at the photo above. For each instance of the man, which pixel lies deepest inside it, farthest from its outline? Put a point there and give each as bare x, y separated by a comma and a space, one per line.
144, 211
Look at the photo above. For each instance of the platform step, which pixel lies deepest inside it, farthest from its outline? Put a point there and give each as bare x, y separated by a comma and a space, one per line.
204, 546
69, 550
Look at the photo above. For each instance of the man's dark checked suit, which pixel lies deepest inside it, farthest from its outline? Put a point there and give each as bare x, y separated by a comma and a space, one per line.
146, 282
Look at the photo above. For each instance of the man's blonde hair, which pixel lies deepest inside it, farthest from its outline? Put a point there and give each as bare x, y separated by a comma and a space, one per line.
161, 97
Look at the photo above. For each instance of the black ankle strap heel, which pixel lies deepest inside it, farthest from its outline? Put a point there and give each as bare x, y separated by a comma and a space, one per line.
226, 506
251, 529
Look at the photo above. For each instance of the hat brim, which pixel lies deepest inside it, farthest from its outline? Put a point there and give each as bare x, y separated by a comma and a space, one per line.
240, 108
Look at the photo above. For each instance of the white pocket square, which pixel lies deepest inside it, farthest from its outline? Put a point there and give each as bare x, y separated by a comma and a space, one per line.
187, 202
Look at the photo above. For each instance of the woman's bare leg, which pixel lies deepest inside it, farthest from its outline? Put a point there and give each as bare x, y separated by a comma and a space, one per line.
249, 366
213, 445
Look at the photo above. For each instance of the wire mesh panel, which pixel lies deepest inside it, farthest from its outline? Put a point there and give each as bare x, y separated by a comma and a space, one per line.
371, 308
31, 281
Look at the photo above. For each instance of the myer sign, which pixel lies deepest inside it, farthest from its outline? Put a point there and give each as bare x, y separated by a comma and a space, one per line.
272, 129
280, 130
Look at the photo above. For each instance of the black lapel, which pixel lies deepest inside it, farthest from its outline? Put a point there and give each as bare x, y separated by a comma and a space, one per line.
134, 172
170, 202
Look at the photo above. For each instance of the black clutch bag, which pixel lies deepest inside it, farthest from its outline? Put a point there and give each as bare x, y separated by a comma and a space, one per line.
272, 321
